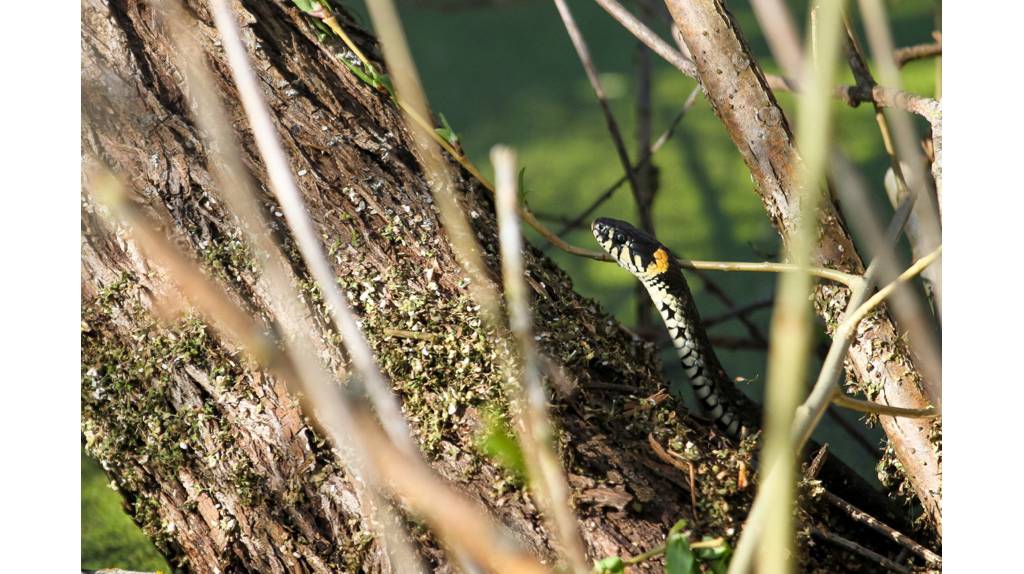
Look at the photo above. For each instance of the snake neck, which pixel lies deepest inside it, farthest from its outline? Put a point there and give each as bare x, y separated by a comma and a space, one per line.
710, 383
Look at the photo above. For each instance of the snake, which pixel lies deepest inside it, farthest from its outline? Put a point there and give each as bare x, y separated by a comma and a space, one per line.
662, 276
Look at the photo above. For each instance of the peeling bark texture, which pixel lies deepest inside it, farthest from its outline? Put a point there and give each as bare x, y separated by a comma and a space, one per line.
736, 88
214, 457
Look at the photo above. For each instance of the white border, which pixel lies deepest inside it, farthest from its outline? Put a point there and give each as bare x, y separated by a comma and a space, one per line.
40, 286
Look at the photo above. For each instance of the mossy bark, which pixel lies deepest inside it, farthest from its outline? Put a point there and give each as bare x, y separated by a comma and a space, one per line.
213, 456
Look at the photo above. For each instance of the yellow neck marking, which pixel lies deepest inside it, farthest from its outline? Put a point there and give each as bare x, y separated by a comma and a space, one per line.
660, 263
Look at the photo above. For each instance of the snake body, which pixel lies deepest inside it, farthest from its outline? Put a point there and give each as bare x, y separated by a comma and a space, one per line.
659, 272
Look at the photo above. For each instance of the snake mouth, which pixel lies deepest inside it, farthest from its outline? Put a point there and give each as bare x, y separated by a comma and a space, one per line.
617, 233
612, 232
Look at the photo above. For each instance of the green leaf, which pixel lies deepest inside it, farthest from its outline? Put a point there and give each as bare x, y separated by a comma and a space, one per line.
717, 557
304, 5
384, 81
679, 559
322, 31
446, 131
677, 527
609, 565
358, 71
500, 444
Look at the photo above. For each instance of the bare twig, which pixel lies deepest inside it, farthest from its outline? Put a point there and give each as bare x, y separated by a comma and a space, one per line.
530, 411
679, 463
886, 530
860, 406
840, 277
858, 64
860, 550
816, 463
531, 405
826, 387
595, 82
876, 299
917, 52
648, 37
824, 391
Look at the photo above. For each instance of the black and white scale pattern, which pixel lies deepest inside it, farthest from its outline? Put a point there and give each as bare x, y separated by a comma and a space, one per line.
656, 268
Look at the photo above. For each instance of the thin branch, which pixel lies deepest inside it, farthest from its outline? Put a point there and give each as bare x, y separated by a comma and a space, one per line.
886, 530
677, 462
827, 385
870, 407
648, 37
895, 98
860, 550
646, 177
911, 272
837, 276
530, 403
917, 52
595, 82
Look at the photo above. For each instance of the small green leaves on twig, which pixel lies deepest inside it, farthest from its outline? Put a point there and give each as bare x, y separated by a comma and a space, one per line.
316, 8
522, 186
446, 131
371, 77
609, 565
681, 555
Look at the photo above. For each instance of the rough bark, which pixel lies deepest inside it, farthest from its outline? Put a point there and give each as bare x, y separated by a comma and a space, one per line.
736, 88
214, 457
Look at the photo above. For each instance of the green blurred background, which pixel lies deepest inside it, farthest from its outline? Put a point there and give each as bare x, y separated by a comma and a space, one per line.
505, 72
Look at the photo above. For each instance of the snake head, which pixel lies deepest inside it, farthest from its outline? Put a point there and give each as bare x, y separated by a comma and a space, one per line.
634, 250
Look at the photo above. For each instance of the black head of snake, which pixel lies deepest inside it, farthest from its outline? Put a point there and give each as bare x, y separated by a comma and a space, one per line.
655, 266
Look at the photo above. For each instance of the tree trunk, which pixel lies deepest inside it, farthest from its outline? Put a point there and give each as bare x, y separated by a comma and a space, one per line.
214, 458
